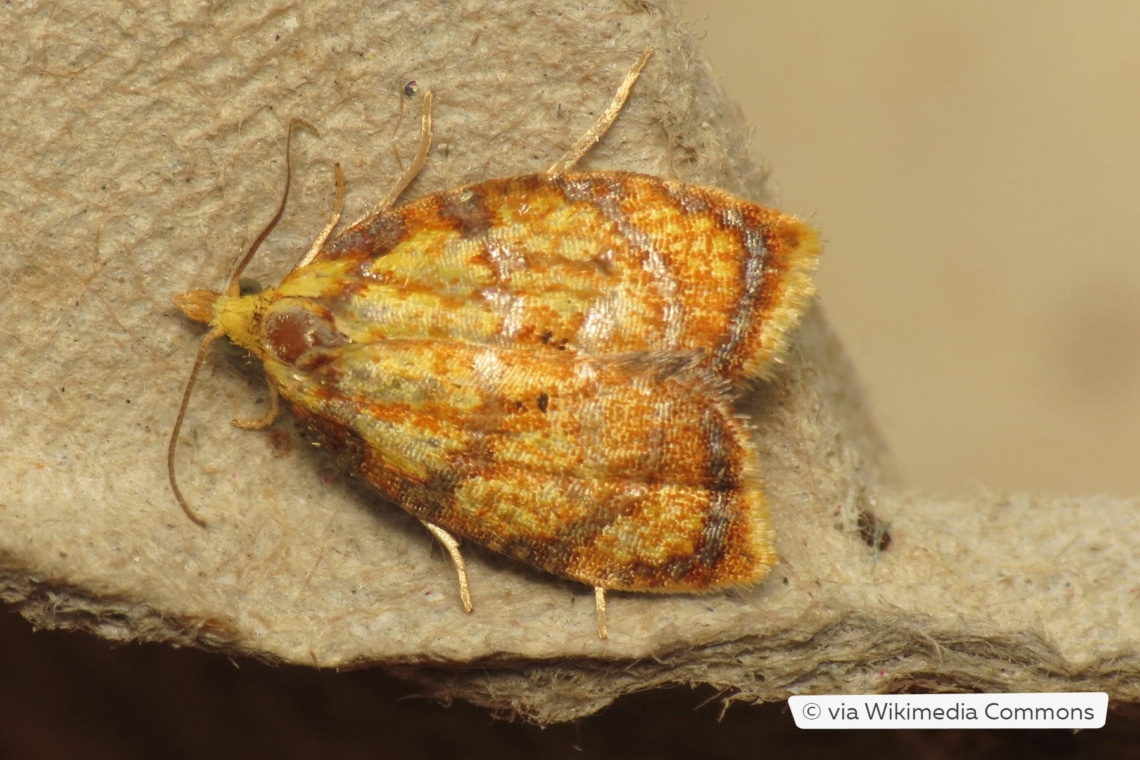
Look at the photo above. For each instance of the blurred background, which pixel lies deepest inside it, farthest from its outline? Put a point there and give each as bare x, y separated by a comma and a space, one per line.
974, 168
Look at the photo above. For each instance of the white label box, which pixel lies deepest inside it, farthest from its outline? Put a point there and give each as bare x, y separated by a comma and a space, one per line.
1053, 710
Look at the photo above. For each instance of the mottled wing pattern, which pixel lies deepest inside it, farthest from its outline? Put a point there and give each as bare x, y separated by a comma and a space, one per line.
627, 472
598, 263
542, 364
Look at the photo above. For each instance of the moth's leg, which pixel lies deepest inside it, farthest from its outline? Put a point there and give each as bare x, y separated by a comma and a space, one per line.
600, 606
452, 545
604, 122
265, 420
334, 218
417, 163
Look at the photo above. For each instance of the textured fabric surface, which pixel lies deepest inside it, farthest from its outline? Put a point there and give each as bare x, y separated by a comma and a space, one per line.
143, 152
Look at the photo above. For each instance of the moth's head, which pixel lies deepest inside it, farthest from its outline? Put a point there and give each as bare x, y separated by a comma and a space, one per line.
237, 316
198, 305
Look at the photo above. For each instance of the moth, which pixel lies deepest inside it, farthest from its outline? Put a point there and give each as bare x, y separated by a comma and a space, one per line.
544, 365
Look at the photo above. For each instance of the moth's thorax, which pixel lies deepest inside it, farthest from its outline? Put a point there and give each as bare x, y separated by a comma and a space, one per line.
293, 331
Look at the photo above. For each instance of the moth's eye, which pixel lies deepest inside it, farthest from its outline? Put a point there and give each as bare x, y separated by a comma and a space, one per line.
248, 286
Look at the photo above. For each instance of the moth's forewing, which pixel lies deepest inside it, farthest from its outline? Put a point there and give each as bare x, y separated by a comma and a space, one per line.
600, 263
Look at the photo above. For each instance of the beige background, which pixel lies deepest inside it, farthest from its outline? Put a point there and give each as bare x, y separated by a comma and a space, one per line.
974, 168
143, 148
